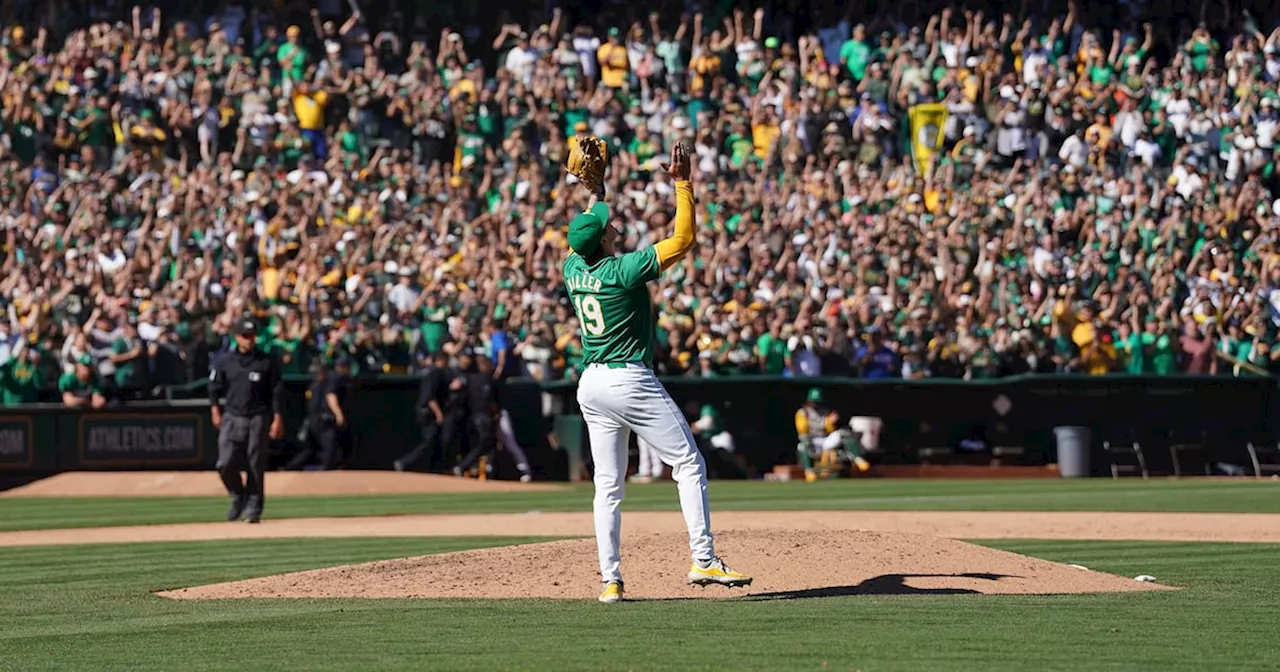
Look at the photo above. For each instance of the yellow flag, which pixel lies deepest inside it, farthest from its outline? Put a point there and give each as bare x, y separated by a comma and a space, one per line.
927, 122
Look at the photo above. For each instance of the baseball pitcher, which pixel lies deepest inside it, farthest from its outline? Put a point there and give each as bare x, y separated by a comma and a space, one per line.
618, 391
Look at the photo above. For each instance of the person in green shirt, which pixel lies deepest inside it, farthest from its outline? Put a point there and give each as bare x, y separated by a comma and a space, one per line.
286, 348
717, 445
736, 356
855, 53
80, 388
292, 56
771, 351
126, 353
470, 144
574, 358
644, 147
739, 145
983, 363
20, 378
1164, 361
23, 136
1201, 48
435, 324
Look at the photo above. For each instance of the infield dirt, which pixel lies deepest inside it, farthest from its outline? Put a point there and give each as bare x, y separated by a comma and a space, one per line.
296, 483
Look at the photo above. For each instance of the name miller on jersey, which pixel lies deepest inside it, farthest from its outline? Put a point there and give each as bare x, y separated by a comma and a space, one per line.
581, 282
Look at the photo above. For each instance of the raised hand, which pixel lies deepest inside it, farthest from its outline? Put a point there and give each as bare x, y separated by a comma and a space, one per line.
680, 166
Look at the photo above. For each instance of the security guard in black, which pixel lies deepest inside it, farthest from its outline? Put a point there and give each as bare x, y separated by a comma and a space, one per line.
437, 422
246, 396
482, 411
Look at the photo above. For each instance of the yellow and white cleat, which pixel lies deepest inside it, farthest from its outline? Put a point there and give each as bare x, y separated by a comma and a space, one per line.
715, 572
612, 592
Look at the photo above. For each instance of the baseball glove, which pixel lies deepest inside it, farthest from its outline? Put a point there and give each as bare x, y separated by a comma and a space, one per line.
588, 158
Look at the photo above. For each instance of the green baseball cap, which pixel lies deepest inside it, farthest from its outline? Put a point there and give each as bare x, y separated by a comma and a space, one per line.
815, 395
587, 229
771, 42
85, 360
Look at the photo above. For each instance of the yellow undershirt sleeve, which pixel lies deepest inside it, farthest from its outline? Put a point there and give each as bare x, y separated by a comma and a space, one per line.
673, 249
802, 423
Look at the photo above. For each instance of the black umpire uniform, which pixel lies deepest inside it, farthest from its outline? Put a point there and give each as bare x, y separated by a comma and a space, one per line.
247, 397
437, 419
482, 410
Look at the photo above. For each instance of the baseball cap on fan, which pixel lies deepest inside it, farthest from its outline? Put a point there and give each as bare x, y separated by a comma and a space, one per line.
587, 229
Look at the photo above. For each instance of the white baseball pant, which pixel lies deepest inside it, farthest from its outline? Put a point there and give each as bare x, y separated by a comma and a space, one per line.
509, 442
616, 402
650, 461
723, 441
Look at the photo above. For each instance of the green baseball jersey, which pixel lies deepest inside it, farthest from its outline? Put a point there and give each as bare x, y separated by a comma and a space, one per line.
708, 424
19, 382
613, 306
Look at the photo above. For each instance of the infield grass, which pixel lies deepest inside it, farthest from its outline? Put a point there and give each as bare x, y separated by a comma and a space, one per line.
1231, 496
91, 608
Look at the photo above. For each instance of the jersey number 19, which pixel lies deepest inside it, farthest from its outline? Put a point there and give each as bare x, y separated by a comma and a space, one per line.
590, 314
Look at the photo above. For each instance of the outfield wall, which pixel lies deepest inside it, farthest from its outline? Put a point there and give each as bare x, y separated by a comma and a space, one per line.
758, 410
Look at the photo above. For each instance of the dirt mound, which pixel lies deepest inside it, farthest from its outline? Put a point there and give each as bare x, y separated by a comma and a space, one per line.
784, 563
206, 483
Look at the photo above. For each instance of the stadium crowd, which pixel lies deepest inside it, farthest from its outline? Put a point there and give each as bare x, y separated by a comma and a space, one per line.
373, 190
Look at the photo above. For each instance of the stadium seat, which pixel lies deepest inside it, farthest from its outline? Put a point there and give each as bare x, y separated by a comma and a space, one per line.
1004, 445
1125, 447
1194, 443
1265, 455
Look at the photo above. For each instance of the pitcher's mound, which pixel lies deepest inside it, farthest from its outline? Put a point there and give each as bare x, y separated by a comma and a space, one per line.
206, 483
783, 563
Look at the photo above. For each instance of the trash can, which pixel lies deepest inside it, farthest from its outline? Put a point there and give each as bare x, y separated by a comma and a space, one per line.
1074, 444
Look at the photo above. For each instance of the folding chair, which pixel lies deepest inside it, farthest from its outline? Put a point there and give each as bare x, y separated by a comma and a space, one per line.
1265, 455
1193, 442
1125, 447
932, 445
1002, 446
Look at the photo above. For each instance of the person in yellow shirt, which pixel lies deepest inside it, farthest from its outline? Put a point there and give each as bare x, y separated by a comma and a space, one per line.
1078, 325
148, 139
615, 65
308, 107
1098, 357
765, 131
705, 65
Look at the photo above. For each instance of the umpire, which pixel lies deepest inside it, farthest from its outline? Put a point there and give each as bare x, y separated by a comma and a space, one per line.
249, 381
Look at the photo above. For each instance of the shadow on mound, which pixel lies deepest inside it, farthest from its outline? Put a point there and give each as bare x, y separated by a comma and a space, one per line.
885, 584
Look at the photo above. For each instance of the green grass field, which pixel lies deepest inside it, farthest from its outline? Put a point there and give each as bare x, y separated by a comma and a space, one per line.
91, 607
1245, 495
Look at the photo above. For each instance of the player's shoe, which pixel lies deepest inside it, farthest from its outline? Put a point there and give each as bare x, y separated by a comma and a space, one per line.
612, 592
714, 571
